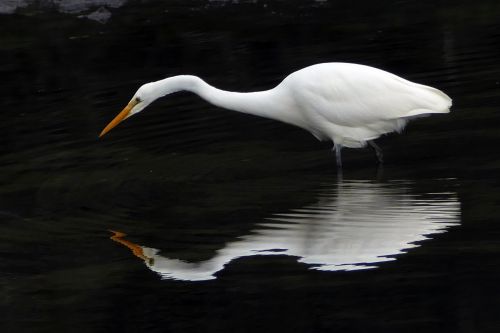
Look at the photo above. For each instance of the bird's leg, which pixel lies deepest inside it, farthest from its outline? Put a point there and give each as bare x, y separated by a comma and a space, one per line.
378, 151
338, 155
380, 173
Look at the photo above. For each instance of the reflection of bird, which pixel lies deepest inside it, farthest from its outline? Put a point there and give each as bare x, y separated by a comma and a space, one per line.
347, 103
355, 225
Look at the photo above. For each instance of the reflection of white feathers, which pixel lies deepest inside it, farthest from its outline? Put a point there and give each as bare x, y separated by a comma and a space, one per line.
353, 226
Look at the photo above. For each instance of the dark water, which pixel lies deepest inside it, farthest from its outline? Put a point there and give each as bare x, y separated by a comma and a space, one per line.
234, 223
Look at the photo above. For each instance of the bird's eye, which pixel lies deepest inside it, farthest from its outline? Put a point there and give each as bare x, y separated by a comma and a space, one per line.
138, 100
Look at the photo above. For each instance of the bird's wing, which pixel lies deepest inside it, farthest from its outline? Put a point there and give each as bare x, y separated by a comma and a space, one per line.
358, 95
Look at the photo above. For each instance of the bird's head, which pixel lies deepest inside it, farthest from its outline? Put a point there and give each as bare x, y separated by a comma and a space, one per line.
144, 96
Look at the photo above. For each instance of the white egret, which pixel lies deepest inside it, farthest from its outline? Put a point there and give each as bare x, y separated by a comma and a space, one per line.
350, 104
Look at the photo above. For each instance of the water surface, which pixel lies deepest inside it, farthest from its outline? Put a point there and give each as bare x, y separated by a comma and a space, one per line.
190, 218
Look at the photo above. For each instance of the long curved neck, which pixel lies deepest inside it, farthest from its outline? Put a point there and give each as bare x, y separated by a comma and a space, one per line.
269, 103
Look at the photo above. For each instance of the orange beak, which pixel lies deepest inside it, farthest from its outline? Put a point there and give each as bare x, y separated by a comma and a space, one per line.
136, 249
119, 118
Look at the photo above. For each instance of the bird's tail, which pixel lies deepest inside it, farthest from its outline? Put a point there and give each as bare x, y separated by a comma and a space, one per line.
432, 100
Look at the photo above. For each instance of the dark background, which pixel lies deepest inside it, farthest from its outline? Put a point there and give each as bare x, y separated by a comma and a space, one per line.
187, 178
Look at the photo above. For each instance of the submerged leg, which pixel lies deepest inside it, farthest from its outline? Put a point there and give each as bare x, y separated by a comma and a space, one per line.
338, 155
378, 151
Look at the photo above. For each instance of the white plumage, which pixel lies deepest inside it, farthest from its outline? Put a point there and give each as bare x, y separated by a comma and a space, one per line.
347, 103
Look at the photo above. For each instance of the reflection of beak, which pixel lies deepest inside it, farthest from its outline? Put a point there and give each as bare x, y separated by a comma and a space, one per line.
136, 249
118, 119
